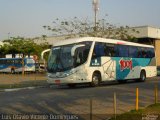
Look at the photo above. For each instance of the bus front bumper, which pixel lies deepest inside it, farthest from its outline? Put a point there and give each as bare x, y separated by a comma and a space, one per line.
66, 80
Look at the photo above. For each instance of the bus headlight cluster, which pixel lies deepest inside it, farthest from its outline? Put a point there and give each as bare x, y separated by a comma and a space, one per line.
70, 72
62, 75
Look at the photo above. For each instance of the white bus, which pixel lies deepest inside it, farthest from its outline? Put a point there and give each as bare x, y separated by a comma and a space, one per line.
94, 60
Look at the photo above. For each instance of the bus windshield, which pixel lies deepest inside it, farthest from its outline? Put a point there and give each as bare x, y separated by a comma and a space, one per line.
61, 58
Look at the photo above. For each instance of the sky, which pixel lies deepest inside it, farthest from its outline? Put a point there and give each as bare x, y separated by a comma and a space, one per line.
25, 18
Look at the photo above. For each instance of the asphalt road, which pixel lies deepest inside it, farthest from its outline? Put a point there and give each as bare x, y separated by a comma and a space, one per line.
64, 100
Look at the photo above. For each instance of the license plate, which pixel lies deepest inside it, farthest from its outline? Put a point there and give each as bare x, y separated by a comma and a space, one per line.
57, 81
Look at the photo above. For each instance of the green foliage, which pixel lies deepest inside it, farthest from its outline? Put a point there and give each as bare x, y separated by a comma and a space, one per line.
80, 28
19, 45
138, 115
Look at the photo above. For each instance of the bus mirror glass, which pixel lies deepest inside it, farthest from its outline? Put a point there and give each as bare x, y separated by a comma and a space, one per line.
74, 49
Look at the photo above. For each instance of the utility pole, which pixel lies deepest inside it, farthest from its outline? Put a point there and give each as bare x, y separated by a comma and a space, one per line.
95, 8
8, 35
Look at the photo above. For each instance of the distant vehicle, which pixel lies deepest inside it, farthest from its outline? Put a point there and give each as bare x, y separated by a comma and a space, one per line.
158, 71
13, 65
40, 67
94, 60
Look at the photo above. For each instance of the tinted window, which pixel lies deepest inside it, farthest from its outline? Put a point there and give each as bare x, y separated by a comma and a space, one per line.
81, 53
133, 52
150, 52
1, 61
144, 52
9, 61
123, 51
139, 52
110, 50
18, 61
98, 50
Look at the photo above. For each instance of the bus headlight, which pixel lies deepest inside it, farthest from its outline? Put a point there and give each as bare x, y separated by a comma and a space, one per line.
70, 72
62, 75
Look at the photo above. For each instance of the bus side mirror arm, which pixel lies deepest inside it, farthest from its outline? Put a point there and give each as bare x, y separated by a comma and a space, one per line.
42, 53
74, 49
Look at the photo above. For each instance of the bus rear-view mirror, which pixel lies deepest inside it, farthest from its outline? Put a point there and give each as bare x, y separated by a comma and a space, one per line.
74, 49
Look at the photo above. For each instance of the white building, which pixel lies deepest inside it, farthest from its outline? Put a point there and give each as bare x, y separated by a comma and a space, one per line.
149, 35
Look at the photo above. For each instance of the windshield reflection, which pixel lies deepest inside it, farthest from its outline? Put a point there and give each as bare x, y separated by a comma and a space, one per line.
61, 59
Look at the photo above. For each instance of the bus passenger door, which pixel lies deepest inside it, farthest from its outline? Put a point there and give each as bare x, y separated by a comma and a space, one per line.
102, 62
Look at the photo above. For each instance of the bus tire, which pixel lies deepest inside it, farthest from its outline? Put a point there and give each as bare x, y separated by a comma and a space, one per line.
96, 78
142, 76
12, 71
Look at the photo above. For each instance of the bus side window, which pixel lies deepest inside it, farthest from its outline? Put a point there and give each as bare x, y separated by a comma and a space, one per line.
150, 53
133, 52
139, 52
116, 51
7, 62
17, 61
144, 53
109, 50
123, 50
81, 56
1, 61
98, 50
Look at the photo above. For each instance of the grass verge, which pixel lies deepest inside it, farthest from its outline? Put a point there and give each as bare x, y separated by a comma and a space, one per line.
151, 112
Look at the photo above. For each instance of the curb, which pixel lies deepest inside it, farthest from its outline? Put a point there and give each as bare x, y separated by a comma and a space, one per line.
17, 89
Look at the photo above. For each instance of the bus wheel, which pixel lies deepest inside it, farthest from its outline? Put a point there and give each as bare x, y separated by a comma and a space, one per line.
142, 76
95, 80
12, 71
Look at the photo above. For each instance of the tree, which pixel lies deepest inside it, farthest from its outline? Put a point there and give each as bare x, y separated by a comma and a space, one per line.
80, 28
20, 45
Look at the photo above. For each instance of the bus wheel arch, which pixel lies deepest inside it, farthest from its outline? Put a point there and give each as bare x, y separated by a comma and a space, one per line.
96, 78
142, 75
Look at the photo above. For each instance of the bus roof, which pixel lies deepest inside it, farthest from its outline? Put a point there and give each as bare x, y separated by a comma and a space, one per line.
97, 39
